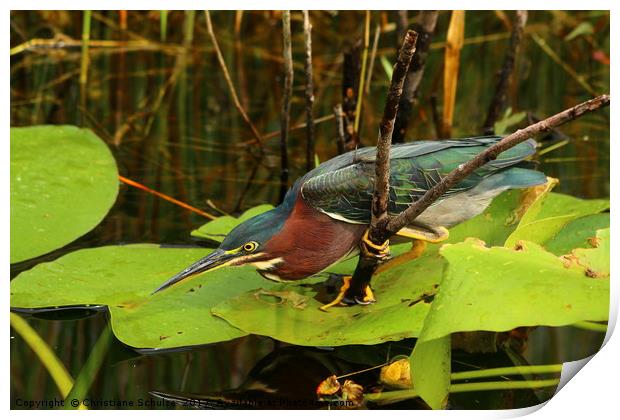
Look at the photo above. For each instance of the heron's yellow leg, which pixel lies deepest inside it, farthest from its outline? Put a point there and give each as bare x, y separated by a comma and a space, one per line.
369, 296
368, 248
416, 251
346, 283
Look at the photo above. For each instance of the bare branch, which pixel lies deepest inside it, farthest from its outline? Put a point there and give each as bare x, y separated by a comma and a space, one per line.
379, 217
382, 166
408, 216
367, 265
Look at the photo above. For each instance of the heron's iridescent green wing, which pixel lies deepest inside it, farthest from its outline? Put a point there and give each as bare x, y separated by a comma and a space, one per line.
343, 186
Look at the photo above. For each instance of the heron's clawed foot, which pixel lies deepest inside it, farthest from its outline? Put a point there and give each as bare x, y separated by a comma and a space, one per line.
341, 300
367, 299
370, 249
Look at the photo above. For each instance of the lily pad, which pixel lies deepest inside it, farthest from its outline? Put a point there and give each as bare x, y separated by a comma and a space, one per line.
63, 182
395, 316
498, 289
403, 287
123, 277
216, 230
595, 260
577, 234
549, 214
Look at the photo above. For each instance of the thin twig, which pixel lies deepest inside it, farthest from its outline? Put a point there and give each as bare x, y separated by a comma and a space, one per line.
273, 134
498, 103
231, 87
248, 185
286, 101
567, 68
408, 216
309, 91
426, 21
62, 41
340, 128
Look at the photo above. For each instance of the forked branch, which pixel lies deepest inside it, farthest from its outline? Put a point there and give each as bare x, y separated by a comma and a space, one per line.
408, 216
379, 217
384, 226
386, 128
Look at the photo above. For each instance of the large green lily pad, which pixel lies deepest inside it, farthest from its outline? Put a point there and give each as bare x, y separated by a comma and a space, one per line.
403, 287
63, 182
123, 277
291, 313
498, 289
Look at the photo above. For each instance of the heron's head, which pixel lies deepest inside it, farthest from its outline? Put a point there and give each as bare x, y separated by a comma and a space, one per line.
245, 244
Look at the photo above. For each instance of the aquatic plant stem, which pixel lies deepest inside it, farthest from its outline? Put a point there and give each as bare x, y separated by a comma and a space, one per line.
393, 396
360, 89
286, 101
90, 369
591, 326
452, 57
84, 59
482, 373
310, 147
163, 25
506, 371
498, 103
54, 366
165, 197
373, 56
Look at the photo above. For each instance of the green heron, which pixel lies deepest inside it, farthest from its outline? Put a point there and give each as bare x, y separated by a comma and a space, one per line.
324, 217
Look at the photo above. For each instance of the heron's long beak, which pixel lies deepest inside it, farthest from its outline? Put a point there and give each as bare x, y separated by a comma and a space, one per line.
216, 259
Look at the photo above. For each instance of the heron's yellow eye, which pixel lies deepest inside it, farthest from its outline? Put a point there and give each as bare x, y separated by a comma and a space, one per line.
250, 246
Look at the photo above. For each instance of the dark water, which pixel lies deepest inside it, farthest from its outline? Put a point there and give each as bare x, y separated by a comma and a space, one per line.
163, 107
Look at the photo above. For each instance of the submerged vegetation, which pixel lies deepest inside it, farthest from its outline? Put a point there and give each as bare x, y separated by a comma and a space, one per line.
534, 261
